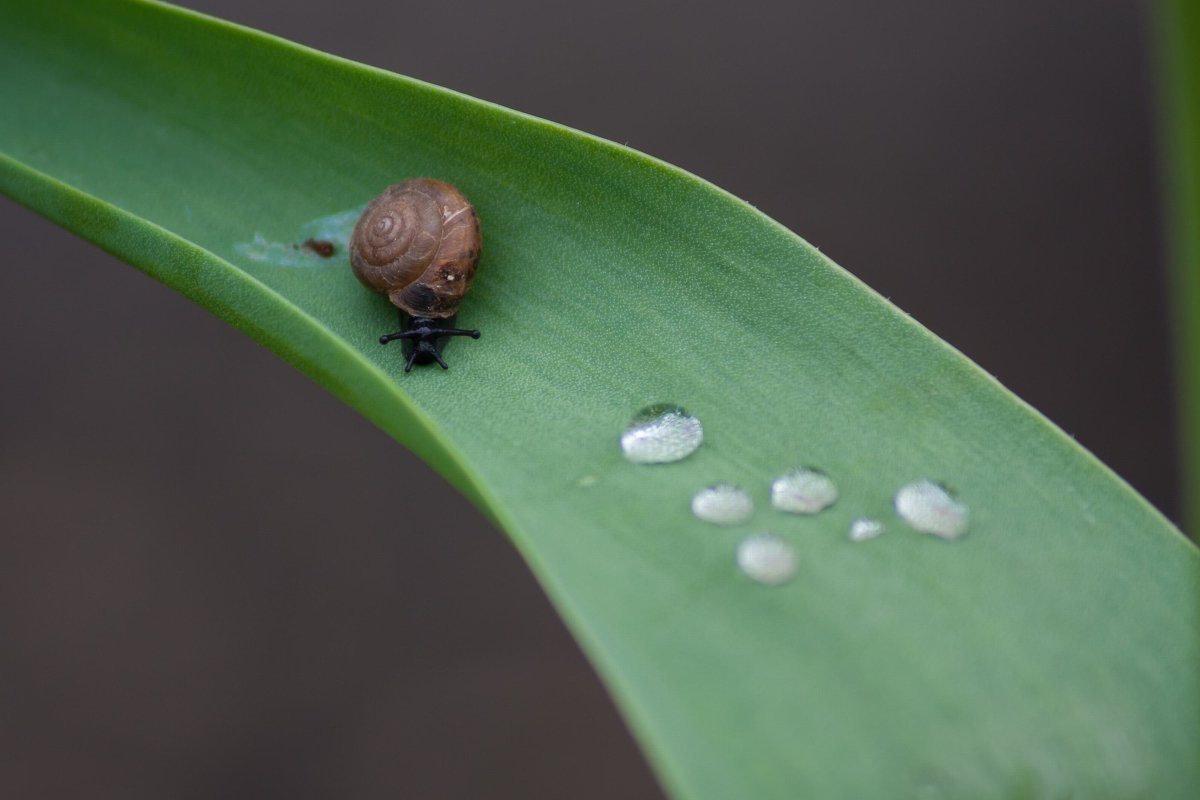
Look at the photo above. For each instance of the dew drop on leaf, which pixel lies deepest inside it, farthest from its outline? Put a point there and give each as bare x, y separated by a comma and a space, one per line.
929, 508
723, 504
803, 491
864, 528
766, 558
660, 434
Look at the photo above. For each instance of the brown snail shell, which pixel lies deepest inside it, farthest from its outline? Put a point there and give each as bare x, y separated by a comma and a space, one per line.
418, 243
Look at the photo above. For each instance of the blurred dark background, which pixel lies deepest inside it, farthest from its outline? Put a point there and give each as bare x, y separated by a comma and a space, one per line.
203, 589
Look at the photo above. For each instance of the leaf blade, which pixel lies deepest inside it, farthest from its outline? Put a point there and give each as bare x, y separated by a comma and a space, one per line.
640, 283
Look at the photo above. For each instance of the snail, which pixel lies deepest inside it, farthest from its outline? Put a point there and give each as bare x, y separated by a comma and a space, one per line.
419, 244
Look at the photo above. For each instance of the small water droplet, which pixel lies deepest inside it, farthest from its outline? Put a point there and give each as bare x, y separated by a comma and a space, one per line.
723, 504
929, 508
864, 528
767, 559
803, 491
661, 433
587, 481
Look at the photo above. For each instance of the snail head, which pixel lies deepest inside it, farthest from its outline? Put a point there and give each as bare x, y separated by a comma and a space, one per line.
421, 337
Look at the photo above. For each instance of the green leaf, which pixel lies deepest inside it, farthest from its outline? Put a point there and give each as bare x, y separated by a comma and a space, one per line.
1050, 652
1179, 68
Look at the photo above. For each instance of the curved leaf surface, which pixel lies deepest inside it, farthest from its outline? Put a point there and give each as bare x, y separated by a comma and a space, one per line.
1050, 652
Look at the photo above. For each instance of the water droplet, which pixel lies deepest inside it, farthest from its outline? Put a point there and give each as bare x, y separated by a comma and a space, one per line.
587, 481
723, 504
803, 491
661, 433
929, 508
864, 528
767, 559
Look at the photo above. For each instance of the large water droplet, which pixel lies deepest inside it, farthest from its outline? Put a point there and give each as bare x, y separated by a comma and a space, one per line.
929, 508
864, 528
661, 433
803, 491
723, 504
767, 559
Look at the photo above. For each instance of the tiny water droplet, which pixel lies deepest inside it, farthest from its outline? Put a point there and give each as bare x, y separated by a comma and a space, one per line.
803, 491
587, 481
767, 559
661, 433
723, 504
929, 508
864, 528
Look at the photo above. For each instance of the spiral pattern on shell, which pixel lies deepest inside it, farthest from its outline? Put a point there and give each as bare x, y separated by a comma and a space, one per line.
418, 243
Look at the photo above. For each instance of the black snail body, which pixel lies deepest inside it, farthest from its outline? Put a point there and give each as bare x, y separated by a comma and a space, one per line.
419, 243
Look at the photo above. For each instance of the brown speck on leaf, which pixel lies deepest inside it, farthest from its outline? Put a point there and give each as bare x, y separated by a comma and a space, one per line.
319, 246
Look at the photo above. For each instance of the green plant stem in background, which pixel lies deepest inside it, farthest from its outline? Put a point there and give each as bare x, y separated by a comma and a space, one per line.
1179, 98
1050, 652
